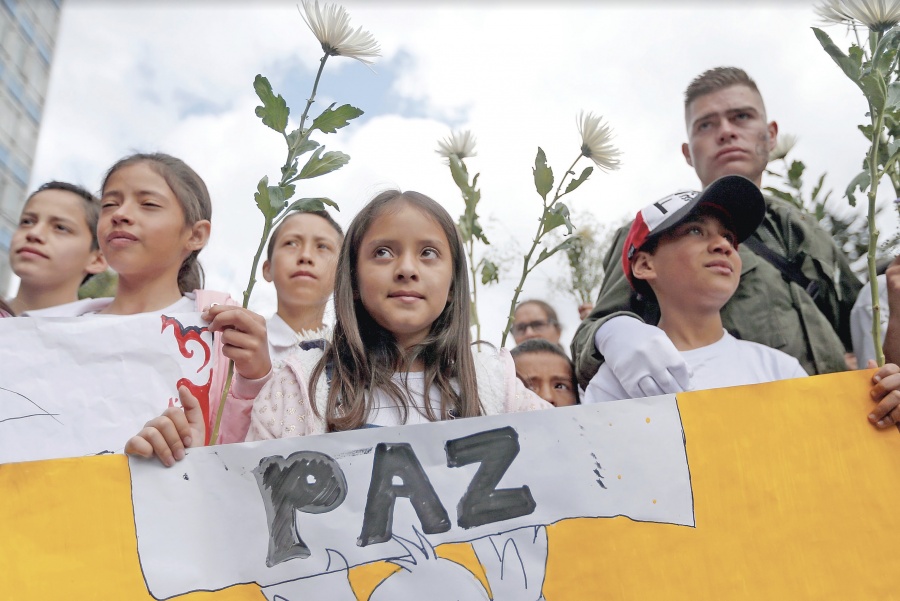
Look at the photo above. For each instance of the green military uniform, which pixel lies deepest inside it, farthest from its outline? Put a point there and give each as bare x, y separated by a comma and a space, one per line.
766, 308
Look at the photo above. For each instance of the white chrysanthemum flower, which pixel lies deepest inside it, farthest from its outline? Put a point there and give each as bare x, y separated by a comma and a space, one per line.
596, 141
876, 15
460, 143
331, 26
784, 145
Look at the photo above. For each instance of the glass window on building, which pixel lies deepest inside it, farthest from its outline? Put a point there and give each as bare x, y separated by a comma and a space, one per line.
5, 270
26, 140
14, 46
35, 71
46, 14
6, 24
9, 116
4, 218
11, 201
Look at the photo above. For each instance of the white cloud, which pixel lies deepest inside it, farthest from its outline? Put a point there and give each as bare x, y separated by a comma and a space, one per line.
123, 79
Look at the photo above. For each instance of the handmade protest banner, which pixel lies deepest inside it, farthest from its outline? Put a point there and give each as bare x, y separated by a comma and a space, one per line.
793, 496
73, 386
356, 493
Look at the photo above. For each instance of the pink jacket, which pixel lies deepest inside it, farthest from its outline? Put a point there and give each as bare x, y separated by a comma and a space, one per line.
283, 407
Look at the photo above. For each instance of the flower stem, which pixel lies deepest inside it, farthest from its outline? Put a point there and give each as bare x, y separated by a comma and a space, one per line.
878, 124
215, 433
473, 269
312, 96
569, 171
526, 261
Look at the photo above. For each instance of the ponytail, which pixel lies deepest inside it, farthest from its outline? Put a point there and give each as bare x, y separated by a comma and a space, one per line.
191, 275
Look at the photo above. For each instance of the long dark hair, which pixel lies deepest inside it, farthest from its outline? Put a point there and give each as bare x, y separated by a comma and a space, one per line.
191, 192
364, 356
4, 308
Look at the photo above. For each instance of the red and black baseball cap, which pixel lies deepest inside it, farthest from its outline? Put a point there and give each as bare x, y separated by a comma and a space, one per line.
734, 195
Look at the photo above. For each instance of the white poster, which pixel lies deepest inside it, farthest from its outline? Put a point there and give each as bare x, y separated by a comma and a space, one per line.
74, 386
290, 509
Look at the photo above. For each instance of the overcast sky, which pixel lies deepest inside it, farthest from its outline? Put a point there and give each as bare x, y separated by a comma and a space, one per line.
177, 78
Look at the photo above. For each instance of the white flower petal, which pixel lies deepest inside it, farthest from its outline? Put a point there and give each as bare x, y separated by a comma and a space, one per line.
596, 141
784, 145
331, 26
876, 15
460, 143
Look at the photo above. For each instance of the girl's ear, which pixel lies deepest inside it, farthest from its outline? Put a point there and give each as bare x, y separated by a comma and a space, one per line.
267, 271
642, 266
96, 263
199, 235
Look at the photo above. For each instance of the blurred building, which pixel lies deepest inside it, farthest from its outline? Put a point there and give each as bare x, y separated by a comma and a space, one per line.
27, 37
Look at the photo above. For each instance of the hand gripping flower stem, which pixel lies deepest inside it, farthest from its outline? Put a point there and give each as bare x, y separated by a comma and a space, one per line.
331, 27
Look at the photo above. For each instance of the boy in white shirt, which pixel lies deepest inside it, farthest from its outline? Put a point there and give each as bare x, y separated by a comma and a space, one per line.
683, 250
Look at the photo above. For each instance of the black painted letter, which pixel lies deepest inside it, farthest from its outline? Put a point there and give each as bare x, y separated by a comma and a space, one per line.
483, 503
306, 481
397, 460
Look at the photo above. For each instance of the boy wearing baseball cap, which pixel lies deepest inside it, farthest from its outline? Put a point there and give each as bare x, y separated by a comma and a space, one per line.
683, 250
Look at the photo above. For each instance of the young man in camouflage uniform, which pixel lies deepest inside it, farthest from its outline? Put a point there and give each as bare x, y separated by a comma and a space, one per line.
801, 308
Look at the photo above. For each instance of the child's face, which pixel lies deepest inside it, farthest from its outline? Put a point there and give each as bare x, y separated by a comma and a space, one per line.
548, 375
303, 261
405, 271
52, 245
695, 265
141, 228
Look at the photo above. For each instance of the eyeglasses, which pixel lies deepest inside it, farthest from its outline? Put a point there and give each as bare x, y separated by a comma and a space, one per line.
536, 326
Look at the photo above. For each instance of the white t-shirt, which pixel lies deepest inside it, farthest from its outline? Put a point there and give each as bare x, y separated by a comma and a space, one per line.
385, 412
861, 321
91, 306
728, 362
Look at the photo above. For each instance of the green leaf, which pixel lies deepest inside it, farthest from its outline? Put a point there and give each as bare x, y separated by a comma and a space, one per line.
546, 254
490, 272
795, 174
465, 231
850, 66
298, 144
893, 97
556, 216
262, 198
818, 188
785, 196
276, 198
460, 173
543, 175
274, 110
581, 178
312, 204
289, 172
861, 181
332, 120
875, 89
886, 51
320, 164
478, 233
866, 131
